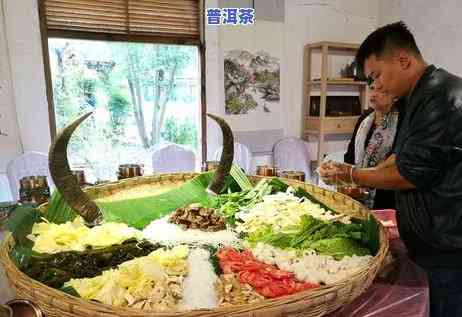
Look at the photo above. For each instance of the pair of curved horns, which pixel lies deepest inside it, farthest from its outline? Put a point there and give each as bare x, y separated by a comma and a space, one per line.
67, 184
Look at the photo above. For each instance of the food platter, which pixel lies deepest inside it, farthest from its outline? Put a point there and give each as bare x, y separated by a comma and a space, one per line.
242, 246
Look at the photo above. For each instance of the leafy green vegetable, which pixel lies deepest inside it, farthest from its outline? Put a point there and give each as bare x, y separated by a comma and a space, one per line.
241, 179
56, 269
370, 237
230, 204
69, 290
229, 210
267, 235
20, 223
58, 210
304, 239
21, 254
317, 234
339, 247
213, 259
358, 236
277, 185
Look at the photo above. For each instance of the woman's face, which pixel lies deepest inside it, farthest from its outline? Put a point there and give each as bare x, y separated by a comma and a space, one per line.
380, 101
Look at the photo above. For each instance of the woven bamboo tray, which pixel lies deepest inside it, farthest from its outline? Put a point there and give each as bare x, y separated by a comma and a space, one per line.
310, 303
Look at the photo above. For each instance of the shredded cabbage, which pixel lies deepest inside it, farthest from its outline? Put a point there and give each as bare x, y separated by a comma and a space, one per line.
76, 236
134, 280
282, 211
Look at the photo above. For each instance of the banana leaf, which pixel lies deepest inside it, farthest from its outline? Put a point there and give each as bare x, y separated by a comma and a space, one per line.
58, 210
139, 212
20, 222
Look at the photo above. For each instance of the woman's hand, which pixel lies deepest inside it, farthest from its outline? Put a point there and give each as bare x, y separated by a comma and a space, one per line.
335, 173
328, 172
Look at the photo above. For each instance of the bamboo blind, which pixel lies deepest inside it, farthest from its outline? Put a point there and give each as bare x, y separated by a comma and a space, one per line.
179, 19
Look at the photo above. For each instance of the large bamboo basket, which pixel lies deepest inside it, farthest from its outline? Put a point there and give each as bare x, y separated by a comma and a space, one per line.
311, 303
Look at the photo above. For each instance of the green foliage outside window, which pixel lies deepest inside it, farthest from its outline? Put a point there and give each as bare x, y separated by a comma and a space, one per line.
135, 91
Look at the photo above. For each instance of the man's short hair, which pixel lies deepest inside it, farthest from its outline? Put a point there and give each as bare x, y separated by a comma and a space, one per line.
384, 40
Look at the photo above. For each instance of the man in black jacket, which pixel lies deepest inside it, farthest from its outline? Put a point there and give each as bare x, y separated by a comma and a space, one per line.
426, 169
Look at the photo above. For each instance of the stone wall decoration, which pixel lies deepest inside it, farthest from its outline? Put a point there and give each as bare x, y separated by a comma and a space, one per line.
251, 81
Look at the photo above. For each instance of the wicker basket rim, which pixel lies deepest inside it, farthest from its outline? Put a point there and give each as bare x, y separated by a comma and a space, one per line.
8, 243
267, 303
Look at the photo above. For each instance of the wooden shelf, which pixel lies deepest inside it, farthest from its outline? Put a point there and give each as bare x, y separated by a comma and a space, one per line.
330, 125
344, 93
324, 86
338, 82
334, 45
336, 118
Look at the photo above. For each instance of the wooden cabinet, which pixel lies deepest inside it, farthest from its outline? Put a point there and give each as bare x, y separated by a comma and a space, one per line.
319, 122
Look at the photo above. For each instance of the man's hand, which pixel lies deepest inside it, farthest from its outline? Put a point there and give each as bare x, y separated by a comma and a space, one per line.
384, 176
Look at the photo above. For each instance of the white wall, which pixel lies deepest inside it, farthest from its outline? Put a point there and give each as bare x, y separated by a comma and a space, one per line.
436, 25
23, 103
215, 89
305, 21
10, 145
253, 38
27, 72
308, 21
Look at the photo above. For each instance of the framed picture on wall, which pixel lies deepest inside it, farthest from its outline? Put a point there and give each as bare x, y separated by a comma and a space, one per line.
252, 81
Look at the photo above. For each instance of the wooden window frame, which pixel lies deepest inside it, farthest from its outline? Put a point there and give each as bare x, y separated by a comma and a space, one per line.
133, 38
